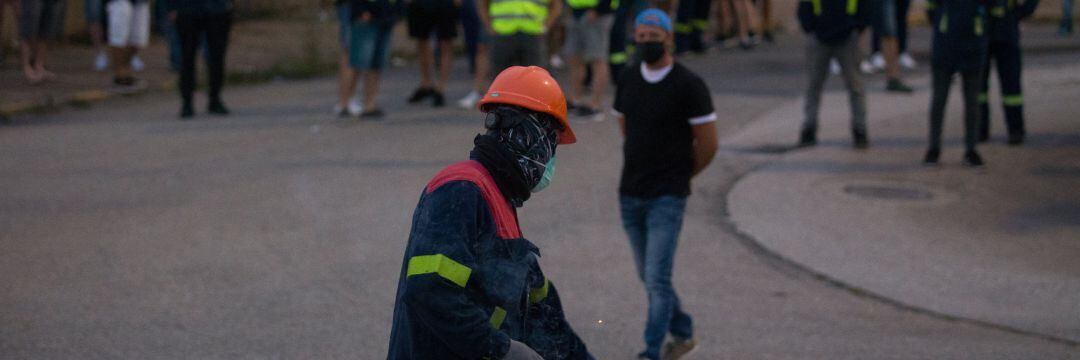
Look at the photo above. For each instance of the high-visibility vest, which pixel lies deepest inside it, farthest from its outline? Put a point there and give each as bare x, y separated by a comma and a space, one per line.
582, 4
510, 17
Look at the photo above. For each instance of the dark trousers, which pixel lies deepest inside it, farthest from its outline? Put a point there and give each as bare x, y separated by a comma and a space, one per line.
942, 80
691, 20
1006, 58
191, 29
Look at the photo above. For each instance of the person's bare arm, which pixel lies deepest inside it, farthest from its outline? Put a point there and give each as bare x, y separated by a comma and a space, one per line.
705, 145
554, 9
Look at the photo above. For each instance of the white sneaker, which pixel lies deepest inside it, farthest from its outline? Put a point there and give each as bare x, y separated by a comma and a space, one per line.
557, 61
834, 66
101, 62
907, 61
877, 60
137, 63
354, 107
866, 67
469, 101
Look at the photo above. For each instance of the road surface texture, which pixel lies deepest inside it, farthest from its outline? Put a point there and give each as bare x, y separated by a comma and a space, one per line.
278, 232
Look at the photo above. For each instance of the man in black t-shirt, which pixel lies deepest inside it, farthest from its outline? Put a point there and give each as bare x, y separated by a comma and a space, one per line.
665, 112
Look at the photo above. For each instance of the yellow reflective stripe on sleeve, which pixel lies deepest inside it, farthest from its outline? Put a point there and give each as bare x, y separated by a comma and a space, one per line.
700, 24
538, 294
930, 5
944, 25
817, 7
852, 7
997, 11
618, 58
683, 28
497, 317
1012, 100
978, 26
439, 264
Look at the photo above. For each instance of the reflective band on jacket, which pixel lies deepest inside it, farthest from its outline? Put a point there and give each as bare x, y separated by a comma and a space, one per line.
984, 97
509, 17
930, 5
683, 28
442, 265
700, 24
538, 294
852, 6
1012, 100
582, 4
997, 11
497, 317
619, 58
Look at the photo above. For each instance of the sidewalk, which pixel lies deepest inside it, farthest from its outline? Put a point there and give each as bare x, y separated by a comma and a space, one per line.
258, 50
997, 246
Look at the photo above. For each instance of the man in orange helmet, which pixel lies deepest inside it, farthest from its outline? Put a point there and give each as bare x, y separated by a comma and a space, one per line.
470, 285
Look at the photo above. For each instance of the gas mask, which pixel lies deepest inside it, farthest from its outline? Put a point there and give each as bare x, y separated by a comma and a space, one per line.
531, 137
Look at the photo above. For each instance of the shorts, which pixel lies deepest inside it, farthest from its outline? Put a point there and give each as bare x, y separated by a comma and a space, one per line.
344, 17
40, 19
517, 49
475, 33
94, 11
588, 40
129, 24
427, 16
885, 19
369, 46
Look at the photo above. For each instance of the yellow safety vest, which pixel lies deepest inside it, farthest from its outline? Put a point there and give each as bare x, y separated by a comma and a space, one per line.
509, 17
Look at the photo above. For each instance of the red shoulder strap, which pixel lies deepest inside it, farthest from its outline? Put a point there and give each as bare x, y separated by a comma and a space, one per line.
506, 225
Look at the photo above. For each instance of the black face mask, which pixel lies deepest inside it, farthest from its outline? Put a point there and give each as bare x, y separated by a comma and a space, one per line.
651, 51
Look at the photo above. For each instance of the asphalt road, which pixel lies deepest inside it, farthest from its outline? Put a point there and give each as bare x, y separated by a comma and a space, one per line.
278, 233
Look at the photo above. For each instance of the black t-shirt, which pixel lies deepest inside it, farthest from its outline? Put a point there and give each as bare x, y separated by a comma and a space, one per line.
658, 151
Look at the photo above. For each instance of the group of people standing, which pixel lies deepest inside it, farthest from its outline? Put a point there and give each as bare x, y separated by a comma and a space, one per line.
968, 36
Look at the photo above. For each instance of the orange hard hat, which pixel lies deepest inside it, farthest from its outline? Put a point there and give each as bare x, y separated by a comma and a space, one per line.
531, 88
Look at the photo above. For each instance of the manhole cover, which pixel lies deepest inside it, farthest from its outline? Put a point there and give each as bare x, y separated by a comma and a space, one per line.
882, 192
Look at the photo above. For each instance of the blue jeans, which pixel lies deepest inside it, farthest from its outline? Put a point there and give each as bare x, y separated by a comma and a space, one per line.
653, 226
369, 46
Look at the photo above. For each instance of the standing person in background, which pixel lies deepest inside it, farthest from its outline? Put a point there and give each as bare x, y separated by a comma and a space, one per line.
1003, 29
14, 4
959, 46
129, 31
194, 20
691, 21
369, 48
666, 115
518, 27
426, 17
39, 22
877, 60
886, 31
95, 11
588, 30
347, 103
766, 24
476, 46
618, 49
1066, 26
834, 26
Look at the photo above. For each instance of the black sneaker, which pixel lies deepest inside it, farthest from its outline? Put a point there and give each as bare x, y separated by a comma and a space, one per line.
932, 156
374, 114
187, 111
972, 159
437, 99
895, 85
860, 140
1016, 139
807, 138
420, 94
217, 108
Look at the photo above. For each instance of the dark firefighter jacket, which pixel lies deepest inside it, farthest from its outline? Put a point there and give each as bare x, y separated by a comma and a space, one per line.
832, 21
960, 40
1005, 16
470, 282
